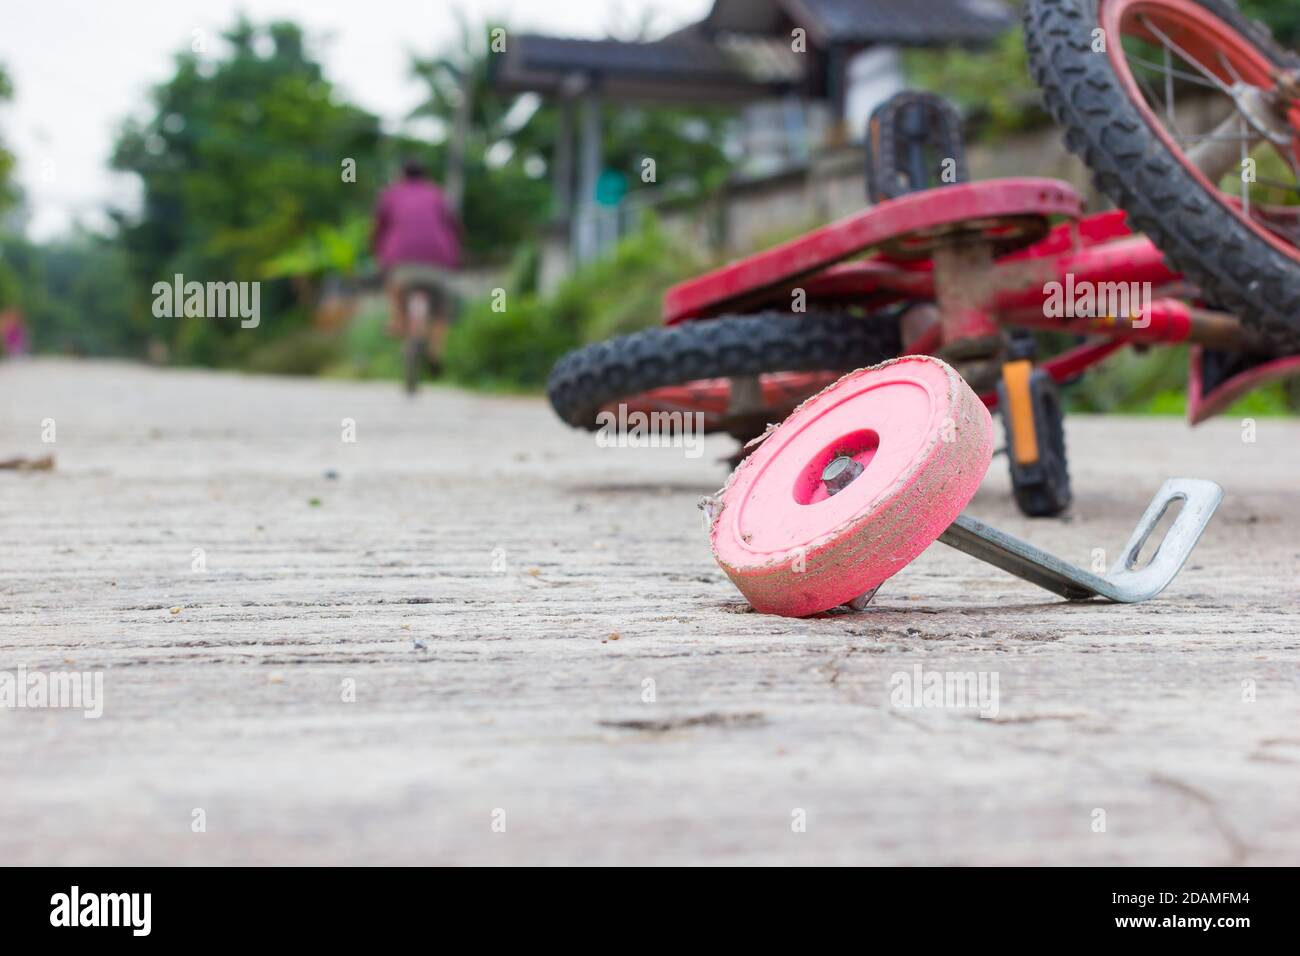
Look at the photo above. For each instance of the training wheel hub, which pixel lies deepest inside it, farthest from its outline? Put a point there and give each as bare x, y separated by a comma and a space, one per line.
855, 484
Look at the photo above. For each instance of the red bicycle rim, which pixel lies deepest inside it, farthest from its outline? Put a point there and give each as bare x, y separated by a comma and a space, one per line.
1212, 42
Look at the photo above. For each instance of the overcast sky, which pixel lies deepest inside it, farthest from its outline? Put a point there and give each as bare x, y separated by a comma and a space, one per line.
80, 66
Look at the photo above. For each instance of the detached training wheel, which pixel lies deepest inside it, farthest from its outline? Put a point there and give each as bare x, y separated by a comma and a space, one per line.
855, 484
863, 476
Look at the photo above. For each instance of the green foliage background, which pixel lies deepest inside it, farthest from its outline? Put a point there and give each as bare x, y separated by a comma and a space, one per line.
1282, 16
994, 87
516, 347
240, 155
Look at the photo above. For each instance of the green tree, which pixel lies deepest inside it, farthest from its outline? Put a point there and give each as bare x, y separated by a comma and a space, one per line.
242, 158
992, 86
11, 283
8, 188
510, 140
1282, 17
74, 292
506, 194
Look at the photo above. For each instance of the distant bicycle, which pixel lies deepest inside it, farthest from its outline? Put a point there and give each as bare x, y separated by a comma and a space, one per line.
426, 314
417, 240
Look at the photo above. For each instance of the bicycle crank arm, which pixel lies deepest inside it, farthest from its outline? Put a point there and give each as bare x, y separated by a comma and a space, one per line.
1125, 583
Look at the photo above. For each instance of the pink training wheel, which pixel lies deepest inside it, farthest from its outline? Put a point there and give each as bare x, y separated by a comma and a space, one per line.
852, 486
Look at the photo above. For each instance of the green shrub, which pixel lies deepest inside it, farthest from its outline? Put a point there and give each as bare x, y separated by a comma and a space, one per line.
1154, 382
302, 351
516, 347
368, 351
991, 86
512, 348
624, 292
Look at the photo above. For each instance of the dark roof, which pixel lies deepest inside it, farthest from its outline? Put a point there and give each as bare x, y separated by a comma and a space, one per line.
556, 53
909, 22
912, 22
741, 50
684, 66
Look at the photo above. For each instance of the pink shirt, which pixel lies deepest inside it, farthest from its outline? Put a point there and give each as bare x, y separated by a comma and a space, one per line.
13, 335
414, 225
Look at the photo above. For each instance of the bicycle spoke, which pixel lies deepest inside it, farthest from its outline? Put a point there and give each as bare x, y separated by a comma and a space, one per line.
1278, 184
1172, 72
1215, 138
1236, 77
1245, 155
1169, 87
1187, 57
1154, 101
1206, 78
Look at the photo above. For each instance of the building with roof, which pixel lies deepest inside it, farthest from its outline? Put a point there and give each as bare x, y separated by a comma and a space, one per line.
804, 73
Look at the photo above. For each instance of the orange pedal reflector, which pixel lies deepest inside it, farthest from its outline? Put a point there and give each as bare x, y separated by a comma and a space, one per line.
1020, 411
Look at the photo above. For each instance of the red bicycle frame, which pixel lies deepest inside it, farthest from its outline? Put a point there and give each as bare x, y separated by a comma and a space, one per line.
913, 239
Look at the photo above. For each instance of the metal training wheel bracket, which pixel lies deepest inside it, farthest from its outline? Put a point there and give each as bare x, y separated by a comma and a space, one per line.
1125, 583
863, 477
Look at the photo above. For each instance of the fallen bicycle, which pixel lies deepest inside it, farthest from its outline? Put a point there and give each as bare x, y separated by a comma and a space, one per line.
967, 272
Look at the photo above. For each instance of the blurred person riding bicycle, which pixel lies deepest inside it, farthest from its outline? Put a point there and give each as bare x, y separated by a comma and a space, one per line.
417, 242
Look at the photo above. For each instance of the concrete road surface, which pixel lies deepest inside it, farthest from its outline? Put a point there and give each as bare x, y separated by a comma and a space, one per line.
470, 635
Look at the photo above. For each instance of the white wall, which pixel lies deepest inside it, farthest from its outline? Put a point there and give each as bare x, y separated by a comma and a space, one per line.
873, 76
